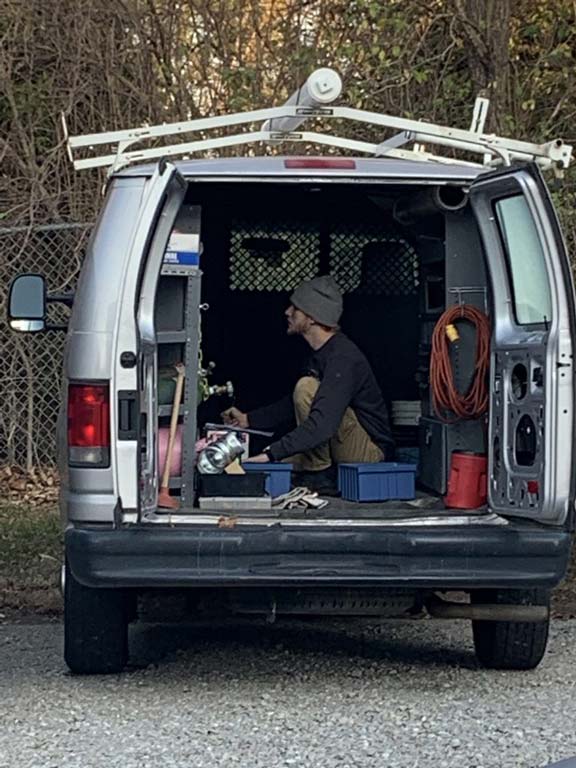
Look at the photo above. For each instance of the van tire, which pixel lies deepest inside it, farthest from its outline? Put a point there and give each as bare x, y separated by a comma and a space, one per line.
95, 628
511, 644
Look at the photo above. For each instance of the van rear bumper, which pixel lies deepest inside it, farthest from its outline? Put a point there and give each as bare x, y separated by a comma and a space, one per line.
454, 557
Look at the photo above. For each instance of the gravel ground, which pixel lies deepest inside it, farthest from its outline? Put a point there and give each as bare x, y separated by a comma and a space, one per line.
319, 694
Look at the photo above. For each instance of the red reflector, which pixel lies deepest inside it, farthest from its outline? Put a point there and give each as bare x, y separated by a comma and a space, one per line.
320, 162
88, 416
533, 486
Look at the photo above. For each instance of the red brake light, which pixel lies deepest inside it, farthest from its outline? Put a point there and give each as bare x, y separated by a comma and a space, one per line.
89, 424
341, 163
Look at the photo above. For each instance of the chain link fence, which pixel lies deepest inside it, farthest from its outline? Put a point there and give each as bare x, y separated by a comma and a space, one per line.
31, 365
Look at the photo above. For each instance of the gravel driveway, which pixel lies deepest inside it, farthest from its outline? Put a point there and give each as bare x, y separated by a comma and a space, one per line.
292, 694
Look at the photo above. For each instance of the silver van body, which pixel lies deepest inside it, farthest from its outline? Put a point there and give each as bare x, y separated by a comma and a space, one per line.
507, 556
104, 323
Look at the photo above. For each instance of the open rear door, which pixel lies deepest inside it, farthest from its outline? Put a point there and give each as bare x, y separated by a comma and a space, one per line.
531, 430
135, 336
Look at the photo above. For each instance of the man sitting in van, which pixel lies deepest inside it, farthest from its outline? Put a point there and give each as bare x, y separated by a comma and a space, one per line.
337, 404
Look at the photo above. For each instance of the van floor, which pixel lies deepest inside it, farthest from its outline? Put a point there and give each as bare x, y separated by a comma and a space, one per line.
424, 505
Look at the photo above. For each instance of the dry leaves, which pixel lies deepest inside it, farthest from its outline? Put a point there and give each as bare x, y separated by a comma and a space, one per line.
36, 488
227, 522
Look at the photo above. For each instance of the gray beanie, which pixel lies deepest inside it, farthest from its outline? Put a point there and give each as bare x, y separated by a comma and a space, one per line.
321, 299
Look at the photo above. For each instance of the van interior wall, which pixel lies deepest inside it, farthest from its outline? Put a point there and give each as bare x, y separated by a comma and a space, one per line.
465, 282
259, 242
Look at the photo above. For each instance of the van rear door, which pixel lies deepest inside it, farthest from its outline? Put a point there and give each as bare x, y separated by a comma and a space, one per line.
531, 429
135, 340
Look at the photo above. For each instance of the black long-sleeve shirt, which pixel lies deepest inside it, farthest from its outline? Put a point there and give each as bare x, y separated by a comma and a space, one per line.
346, 380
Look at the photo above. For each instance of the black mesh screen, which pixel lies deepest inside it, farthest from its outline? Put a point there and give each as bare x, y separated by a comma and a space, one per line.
364, 258
372, 262
272, 257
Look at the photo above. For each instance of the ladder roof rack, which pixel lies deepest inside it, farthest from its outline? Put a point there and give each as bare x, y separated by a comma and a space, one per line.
280, 125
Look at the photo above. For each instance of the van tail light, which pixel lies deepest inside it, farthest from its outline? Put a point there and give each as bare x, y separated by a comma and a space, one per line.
89, 425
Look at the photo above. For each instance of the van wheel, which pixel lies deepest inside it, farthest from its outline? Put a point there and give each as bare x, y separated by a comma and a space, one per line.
95, 628
511, 644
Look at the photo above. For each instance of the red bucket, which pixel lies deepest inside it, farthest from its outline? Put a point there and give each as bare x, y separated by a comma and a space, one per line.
468, 482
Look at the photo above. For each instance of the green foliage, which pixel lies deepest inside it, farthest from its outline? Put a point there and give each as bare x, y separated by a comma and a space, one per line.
113, 65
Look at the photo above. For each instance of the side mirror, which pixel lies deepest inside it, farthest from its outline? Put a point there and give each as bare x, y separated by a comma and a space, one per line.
27, 304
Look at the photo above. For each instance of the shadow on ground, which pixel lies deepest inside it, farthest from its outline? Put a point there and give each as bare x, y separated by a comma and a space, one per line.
394, 641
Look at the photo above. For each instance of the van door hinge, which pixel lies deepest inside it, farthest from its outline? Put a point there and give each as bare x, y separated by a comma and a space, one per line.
127, 415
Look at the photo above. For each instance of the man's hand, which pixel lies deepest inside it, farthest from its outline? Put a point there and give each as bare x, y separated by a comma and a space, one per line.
235, 418
261, 458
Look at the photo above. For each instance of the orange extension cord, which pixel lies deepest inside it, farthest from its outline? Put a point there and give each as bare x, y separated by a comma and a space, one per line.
448, 402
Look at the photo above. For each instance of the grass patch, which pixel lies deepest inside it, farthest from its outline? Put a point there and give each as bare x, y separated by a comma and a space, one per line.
31, 543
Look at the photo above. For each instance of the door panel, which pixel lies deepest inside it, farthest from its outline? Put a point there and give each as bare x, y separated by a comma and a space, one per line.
163, 196
532, 378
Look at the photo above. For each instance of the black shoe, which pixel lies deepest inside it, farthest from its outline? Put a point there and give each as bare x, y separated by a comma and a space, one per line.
323, 482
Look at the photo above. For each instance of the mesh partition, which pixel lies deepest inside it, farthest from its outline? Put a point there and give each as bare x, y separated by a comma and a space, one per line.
371, 261
364, 259
266, 257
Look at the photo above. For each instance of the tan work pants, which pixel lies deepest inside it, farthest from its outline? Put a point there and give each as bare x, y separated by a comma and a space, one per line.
350, 444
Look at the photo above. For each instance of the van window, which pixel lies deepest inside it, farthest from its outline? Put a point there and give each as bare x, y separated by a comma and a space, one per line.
527, 266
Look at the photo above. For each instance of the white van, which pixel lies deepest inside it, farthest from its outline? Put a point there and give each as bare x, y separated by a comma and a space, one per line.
407, 235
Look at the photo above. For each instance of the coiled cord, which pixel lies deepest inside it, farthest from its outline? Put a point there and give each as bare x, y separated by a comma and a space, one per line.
449, 404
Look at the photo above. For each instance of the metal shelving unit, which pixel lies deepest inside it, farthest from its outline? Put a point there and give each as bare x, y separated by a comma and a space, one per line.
187, 337
190, 337
171, 337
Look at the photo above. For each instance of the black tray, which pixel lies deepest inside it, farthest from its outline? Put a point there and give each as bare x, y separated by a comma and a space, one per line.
250, 484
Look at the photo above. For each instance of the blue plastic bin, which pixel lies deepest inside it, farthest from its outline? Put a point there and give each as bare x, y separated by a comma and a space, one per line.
377, 482
278, 476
